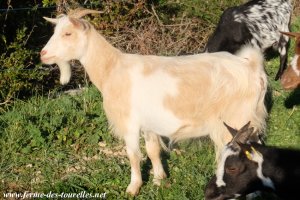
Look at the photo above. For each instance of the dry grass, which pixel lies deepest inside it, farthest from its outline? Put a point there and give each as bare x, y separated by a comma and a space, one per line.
149, 34
153, 37
296, 12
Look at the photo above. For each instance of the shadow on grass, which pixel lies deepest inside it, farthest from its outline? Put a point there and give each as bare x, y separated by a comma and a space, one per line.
270, 54
293, 99
269, 99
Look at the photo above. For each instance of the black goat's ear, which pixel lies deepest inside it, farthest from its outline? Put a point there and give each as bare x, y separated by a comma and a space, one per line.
255, 137
231, 130
245, 127
243, 134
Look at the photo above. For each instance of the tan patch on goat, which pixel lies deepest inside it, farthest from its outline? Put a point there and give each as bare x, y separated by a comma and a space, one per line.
190, 90
100, 72
289, 79
115, 88
148, 70
116, 103
192, 97
214, 94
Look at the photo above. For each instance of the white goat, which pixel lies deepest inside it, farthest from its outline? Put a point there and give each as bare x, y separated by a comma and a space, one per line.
177, 97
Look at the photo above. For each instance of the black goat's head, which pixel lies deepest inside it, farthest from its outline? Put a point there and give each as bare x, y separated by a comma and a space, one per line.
239, 171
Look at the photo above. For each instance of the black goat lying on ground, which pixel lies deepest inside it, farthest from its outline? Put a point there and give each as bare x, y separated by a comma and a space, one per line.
257, 22
246, 167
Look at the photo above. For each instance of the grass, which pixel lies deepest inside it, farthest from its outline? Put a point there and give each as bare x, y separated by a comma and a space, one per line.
61, 143
51, 144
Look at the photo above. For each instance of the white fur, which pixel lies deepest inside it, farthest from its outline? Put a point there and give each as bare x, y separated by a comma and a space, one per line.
65, 72
147, 99
258, 158
221, 166
282, 51
294, 65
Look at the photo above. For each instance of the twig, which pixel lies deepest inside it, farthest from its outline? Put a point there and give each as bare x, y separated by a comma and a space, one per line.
6, 101
175, 25
28, 36
155, 14
294, 108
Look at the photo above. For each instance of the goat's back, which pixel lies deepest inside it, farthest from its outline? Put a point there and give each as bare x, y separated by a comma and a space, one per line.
190, 96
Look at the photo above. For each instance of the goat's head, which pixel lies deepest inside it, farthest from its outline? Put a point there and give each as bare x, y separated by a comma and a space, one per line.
237, 170
291, 76
68, 42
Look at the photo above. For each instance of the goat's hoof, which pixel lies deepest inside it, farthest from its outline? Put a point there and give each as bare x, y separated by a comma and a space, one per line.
161, 183
133, 189
157, 180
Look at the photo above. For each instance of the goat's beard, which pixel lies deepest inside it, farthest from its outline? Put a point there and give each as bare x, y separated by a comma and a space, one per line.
65, 72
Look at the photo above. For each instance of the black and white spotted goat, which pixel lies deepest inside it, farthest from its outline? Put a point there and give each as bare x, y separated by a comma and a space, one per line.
257, 22
247, 166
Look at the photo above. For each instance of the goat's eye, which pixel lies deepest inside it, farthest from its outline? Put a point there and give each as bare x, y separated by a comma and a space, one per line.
68, 34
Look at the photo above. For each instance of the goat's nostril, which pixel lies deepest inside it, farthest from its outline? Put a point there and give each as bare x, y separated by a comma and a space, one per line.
43, 52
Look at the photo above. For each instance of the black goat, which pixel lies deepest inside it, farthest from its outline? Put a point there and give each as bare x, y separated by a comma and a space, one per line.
246, 167
257, 22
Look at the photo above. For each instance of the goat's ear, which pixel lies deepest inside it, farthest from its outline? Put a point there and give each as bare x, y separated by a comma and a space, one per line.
78, 23
51, 20
245, 127
291, 34
231, 130
254, 137
243, 136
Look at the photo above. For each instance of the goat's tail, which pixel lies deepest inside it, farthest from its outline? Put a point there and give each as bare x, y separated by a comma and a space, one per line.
254, 56
255, 59
165, 147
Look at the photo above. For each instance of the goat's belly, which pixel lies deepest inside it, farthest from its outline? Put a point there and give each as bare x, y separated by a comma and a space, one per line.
159, 121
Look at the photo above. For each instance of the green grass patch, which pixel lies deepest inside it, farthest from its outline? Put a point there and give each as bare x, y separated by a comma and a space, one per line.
60, 143
51, 144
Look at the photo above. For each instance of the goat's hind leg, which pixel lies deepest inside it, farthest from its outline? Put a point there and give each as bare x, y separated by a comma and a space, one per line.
153, 149
282, 49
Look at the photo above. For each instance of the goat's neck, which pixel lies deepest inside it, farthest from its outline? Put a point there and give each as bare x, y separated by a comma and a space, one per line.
99, 58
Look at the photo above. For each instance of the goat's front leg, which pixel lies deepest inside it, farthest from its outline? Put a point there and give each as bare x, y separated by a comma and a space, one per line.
282, 49
134, 155
153, 149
